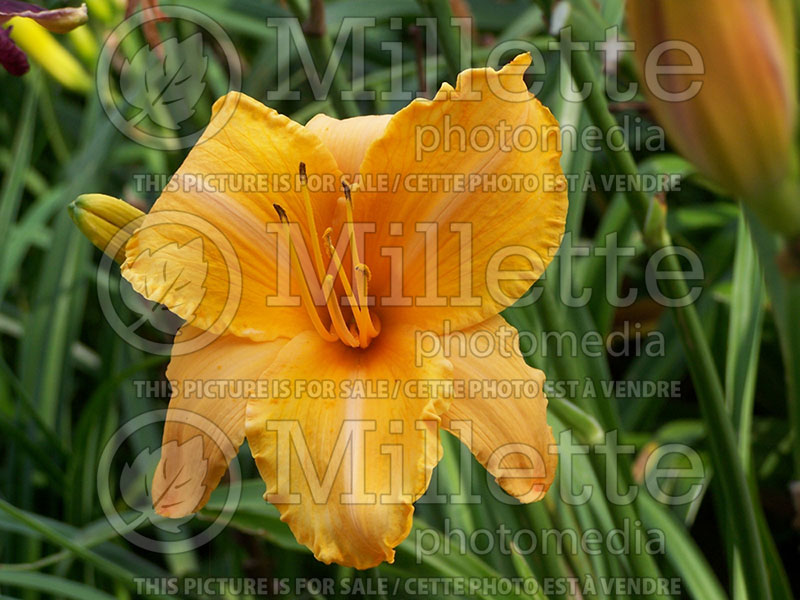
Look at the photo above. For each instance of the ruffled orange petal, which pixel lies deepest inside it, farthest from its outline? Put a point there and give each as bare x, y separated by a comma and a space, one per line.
502, 417
361, 450
205, 250
488, 152
205, 420
348, 139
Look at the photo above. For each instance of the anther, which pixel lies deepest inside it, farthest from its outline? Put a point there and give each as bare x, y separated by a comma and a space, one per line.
346, 190
327, 235
281, 213
364, 269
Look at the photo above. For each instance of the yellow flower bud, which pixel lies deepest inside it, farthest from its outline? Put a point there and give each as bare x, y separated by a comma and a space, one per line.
100, 218
85, 44
39, 44
729, 103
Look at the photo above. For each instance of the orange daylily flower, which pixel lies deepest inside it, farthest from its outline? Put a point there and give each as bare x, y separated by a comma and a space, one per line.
356, 462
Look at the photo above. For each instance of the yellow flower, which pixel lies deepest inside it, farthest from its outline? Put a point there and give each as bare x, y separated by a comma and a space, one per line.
345, 469
28, 31
737, 122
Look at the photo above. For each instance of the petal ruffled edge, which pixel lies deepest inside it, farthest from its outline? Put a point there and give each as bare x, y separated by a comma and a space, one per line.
530, 218
506, 426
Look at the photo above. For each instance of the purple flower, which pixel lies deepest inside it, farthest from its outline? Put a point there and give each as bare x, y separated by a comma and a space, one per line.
11, 57
59, 20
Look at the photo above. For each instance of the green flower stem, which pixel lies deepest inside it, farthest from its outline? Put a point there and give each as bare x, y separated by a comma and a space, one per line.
554, 563
650, 217
450, 41
297, 9
319, 45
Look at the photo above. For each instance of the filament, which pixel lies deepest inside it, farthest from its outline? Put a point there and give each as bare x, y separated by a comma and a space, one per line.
307, 300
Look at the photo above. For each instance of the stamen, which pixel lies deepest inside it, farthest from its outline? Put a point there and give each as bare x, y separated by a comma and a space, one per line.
335, 311
312, 225
305, 292
331, 250
352, 231
361, 282
361, 315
